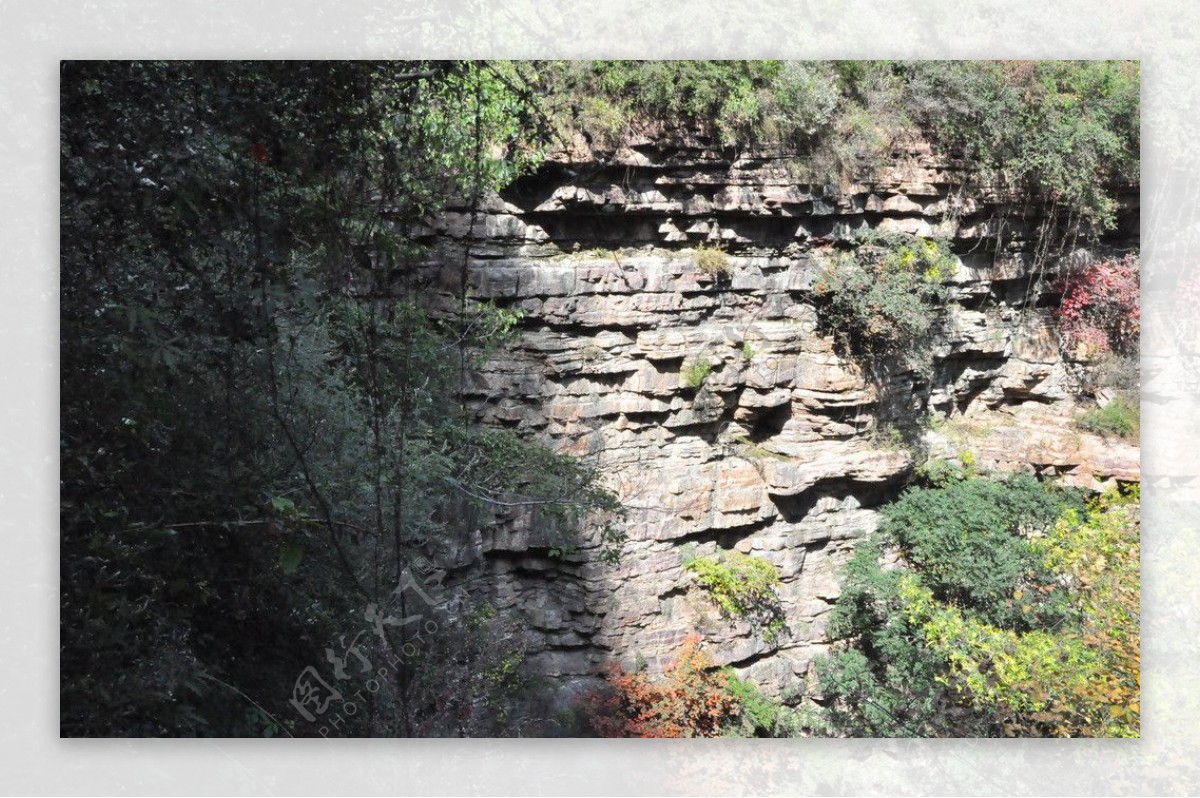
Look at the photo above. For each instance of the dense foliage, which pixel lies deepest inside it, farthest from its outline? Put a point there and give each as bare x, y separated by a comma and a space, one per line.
737, 100
1100, 312
265, 452
1061, 131
1007, 610
261, 433
1099, 321
1079, 678
882, 298
1065, 132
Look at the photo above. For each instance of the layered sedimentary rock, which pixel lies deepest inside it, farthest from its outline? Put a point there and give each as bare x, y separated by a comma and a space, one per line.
718, 406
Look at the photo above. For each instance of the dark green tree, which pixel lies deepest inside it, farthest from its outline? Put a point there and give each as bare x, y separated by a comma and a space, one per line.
261, 425
968, 542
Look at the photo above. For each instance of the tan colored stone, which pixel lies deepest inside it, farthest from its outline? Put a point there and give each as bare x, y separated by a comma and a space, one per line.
611, 317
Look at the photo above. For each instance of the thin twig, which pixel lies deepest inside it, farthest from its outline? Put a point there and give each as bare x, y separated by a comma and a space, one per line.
260, 707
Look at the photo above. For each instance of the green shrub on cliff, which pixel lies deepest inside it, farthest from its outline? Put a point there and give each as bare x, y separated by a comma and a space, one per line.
695, 373
736, 101
743, 587
1062, 132
1120, 418
758, 715
883, 297
990, 608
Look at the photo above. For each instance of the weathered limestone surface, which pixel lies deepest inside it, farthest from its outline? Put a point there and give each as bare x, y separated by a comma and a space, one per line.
778, 452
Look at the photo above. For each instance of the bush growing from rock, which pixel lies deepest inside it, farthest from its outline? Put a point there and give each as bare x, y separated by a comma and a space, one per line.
712, 261
743, 587
1101, 307
696, 372
990, 608
883, 297
692, 699
1121, 418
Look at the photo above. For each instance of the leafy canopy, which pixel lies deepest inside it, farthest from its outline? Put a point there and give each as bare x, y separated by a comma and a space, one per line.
1080, 678
988, 607
1062, 132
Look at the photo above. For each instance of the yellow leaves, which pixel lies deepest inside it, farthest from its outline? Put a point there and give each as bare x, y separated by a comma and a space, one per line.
1081, 679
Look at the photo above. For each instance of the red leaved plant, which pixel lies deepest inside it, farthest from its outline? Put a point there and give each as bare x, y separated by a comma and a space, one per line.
692, 699
1101, 307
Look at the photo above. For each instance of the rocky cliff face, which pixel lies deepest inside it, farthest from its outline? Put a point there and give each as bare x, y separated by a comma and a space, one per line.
782, 448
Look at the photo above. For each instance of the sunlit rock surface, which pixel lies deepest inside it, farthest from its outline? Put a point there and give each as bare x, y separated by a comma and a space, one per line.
783, 450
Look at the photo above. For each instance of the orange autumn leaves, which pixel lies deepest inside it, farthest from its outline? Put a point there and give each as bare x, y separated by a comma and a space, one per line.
690, 700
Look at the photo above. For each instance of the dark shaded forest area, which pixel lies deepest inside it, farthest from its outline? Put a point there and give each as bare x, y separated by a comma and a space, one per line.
259, 422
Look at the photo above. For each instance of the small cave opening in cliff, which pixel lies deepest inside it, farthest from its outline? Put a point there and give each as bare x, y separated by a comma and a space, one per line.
770, 423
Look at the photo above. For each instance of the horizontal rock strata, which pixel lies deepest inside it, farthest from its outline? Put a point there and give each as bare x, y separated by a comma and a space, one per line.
716, 404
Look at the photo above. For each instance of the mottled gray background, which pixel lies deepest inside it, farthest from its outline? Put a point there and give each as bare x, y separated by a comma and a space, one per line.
35, 35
